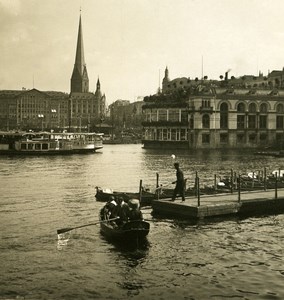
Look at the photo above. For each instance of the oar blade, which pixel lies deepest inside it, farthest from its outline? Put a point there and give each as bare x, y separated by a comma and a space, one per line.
63, 230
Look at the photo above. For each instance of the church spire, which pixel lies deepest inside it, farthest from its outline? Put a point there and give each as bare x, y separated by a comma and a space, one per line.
98, 84
98, 92
79, 79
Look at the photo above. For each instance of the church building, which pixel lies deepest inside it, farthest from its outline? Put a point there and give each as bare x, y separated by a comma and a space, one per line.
86, 108
38, 110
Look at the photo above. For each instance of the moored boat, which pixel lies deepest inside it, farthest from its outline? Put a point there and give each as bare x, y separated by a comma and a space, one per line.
104, 195
49, 142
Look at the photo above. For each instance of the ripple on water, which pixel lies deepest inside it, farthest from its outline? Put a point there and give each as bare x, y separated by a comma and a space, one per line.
235, 258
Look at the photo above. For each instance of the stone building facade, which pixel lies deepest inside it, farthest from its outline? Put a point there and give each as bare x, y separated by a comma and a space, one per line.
208, 114
125, 114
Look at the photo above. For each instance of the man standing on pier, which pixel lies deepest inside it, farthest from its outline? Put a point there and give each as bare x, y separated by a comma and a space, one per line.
180, 183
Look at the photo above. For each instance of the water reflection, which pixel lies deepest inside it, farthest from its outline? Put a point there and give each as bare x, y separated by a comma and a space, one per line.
132, 247
62, 240
131, 257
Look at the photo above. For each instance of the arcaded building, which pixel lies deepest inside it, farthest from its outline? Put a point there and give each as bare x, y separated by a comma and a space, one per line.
212, 114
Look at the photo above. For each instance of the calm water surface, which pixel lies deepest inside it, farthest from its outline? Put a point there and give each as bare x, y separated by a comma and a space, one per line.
212, 259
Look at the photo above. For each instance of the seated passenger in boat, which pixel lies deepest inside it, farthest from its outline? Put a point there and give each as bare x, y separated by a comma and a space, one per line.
109, 209
123, 213
134, 213
114, 208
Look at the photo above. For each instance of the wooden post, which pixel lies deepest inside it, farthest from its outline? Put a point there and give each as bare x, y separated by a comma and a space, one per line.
157, 186
198, 192
264, 175
215, 182
157, 180
140, 191
252, 184
239, 188
235, 180
276, 186
196, 188
232, 174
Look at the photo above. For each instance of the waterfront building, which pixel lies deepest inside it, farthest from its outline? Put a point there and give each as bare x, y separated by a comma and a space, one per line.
213, 114
45, 110
33, 109
125, 114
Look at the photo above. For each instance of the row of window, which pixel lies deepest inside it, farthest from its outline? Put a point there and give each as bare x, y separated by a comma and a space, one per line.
177, 134
181, 114
175, 115
252, 108
165, 134
251, 121
243, 122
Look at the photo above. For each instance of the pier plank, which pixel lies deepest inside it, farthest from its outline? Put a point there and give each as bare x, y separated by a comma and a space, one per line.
251, 203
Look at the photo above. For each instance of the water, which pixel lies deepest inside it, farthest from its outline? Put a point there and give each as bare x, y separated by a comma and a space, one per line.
211, 259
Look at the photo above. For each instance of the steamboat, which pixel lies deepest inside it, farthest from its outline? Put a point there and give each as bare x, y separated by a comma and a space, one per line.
49, 142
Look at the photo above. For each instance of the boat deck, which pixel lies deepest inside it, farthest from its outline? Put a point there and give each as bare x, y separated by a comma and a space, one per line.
250, 203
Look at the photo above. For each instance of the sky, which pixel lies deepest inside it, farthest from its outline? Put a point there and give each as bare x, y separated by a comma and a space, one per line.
129, 43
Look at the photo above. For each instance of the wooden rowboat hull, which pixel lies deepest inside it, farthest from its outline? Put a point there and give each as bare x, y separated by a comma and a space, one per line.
130, 231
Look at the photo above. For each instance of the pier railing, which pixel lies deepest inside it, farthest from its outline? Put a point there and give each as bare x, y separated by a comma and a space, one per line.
235, 184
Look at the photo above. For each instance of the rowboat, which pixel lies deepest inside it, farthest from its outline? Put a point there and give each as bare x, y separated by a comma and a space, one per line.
132, 230
136, 230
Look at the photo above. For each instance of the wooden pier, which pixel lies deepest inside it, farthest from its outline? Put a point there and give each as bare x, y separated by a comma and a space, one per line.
242, 203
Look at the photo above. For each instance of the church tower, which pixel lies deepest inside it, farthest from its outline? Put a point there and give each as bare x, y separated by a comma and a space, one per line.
85, 108
98, 93
166, 80
80, 79
101, 100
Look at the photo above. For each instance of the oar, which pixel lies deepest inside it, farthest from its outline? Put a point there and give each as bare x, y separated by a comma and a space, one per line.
62, 230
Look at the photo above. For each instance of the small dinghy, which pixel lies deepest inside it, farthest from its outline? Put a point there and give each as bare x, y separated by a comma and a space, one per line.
129, 225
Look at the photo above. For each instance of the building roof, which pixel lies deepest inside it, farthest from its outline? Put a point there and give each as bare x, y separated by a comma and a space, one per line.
14, 93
